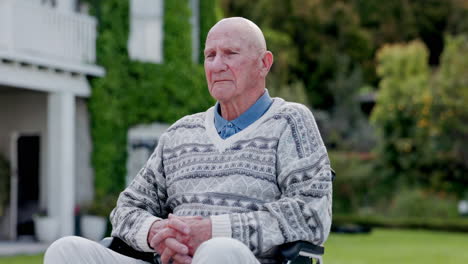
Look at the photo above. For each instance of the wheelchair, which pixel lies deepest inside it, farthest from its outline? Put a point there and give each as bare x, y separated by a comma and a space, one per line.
299, 252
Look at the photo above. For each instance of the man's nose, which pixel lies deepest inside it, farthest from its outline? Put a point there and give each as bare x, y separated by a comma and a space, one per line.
218, 64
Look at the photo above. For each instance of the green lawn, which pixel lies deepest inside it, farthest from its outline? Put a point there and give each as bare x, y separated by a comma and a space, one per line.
21, 260
397, 247
382, 246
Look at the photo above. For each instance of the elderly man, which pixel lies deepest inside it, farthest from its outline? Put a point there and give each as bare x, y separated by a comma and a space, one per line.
228, 185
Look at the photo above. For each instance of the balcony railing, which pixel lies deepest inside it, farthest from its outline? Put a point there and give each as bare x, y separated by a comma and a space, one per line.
32, 30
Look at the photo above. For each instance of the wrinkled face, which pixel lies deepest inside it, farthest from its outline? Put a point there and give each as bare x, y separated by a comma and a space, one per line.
232, 63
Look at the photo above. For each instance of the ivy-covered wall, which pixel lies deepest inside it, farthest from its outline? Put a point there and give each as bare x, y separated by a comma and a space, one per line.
134, 92
210, 13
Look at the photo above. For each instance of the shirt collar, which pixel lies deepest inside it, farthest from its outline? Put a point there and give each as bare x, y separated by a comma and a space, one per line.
248, 117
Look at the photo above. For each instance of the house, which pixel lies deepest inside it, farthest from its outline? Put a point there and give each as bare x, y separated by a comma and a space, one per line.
47, 58
47, 55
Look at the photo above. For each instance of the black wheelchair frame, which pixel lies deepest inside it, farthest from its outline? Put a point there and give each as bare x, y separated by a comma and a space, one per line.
299, 252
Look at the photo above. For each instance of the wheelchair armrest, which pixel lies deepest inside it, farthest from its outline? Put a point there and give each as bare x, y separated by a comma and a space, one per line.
302, 249
118, 245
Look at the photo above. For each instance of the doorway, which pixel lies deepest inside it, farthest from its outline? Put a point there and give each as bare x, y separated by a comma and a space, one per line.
27, 184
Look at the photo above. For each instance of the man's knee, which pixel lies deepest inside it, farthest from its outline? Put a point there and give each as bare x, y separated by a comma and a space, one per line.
223, 244
223, 250
65, 249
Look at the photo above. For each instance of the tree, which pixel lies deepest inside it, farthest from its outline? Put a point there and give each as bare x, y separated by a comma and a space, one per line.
421, 118
307, 36
449, 113
404, 74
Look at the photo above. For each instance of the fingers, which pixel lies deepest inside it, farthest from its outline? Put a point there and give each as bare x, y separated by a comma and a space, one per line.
182, 259
174, 250
167, 255
155, 227
162, 235
176, 246
179, 225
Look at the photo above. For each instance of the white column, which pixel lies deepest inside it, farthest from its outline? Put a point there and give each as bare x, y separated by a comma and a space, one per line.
61, 160
195, 21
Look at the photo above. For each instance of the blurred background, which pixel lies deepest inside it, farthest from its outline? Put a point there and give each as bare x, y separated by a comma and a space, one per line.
387, 82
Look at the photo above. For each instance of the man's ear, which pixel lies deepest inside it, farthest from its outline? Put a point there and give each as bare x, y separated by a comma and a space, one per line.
267, 61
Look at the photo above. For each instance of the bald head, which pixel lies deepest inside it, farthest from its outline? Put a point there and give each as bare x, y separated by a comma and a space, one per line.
247, 30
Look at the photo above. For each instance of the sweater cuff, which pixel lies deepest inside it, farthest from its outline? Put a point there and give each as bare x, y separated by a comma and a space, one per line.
221, 226
142, 234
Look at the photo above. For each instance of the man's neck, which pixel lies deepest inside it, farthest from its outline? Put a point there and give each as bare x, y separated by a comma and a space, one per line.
232, 109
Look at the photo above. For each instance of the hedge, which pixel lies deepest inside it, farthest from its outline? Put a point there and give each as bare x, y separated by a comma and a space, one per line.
455, 224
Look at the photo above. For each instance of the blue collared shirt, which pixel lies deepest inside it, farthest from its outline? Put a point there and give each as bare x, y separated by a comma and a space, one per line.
228, 128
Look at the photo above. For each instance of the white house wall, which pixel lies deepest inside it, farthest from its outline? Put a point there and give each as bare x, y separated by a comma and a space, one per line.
42, 79
25, 111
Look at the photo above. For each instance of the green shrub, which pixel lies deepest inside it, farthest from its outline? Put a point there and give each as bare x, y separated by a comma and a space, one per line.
448, 117
100, 207
417, 203
359, 189
421, 117
405, 75
354, 182
455, 224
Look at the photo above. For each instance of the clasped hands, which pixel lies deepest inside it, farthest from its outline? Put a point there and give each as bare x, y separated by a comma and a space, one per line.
178, 237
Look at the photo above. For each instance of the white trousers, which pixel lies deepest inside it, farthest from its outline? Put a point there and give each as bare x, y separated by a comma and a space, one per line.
78, 250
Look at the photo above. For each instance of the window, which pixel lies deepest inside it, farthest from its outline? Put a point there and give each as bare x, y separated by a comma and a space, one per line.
146, 30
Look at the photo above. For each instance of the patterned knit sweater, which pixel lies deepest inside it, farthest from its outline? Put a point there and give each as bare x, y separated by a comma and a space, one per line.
266, 185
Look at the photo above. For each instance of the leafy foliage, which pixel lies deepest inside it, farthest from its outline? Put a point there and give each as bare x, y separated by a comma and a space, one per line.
416, 203
404, 72
355, 184
448, 116
421, 119
429, 223
347, 128
210, 13
307, 35
100, 207
133, 92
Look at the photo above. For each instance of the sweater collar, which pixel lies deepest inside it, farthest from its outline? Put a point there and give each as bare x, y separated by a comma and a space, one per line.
245, 119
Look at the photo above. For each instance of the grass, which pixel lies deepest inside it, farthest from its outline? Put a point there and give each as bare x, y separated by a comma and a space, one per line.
383, 246
37, 259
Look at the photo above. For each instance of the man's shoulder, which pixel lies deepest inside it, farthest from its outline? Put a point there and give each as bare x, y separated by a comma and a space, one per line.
188, 122
293, 109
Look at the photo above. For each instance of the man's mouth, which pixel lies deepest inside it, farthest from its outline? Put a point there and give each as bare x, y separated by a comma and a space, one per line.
221, 81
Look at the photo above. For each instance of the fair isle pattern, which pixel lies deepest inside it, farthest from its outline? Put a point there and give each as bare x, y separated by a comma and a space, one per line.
272, 180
